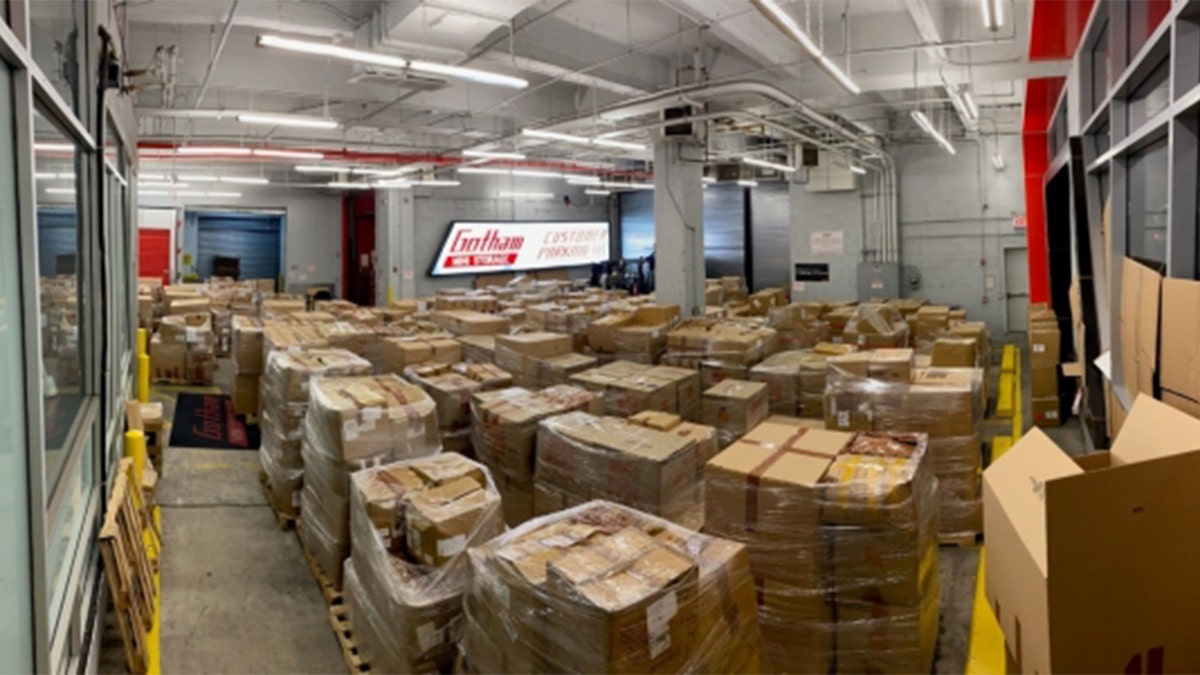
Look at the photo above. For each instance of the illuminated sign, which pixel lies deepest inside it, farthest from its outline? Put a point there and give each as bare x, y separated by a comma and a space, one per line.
484, 247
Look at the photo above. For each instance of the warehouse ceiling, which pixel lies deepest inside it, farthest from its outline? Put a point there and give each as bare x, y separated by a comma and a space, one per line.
200, 67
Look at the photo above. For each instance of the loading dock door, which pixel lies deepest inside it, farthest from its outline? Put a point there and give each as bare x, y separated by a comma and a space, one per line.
154, 253
253, 238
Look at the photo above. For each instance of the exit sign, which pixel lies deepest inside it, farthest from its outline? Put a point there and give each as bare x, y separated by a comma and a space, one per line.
1019, 222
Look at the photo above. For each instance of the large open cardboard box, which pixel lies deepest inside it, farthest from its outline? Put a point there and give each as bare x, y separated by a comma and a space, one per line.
1093, 562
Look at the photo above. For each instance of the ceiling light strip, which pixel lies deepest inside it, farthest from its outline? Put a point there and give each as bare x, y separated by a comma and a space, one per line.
923, 122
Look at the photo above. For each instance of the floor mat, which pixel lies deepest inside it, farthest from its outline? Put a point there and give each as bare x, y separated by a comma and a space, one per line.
208, 421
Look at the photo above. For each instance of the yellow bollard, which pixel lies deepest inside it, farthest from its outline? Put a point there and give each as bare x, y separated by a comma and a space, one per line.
135, 448
141, 342
143, 381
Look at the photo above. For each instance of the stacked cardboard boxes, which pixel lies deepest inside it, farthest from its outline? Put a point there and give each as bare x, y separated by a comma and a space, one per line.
629, 388
798, 325
478, 348
581, 457
469, 322
931, 322
1044, 356
720, 349
762, 302
287, 378
945, 403
568, 319
955, 352
400, 353
644, 337
734, 407
353, 423
451, 388
182, 352
707, 443
603, 588
796, 379
538, 360
457, 299
504, 427
841, 530
876, 326
411, 524
247, 352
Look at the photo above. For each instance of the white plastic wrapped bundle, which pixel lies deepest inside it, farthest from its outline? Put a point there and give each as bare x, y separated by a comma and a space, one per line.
411, 523
842, 533
354, 423
603, 588
876, 326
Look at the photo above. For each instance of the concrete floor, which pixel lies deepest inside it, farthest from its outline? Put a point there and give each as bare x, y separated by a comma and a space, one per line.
238, 596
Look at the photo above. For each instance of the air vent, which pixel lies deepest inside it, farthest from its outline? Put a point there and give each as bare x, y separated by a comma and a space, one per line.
810, 156
676, 113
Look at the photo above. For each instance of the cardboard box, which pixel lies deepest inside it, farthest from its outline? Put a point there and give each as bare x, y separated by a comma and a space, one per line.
1046, 412
1138, 326
438, 520
190, 328
954, 352
891, 365
602, 331
247, 345
174, 305
559, 369
1044, 345
364, 417
1050, 518
1179, 365
628, 388
168, 361
245, 394
398, 353
734, 407
1043, 382
469, 322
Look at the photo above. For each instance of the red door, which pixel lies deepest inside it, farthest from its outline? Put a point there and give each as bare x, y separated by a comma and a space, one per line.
154, 254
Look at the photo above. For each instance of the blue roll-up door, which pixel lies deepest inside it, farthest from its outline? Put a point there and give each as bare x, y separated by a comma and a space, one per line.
724, 228
251, 237
58, 241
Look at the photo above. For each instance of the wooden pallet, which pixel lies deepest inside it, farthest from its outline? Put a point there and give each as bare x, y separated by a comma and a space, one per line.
127, 564
339, 619
961, 540
286, 521
332, 594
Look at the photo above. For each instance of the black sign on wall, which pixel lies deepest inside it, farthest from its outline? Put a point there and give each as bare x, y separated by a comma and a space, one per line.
812, 272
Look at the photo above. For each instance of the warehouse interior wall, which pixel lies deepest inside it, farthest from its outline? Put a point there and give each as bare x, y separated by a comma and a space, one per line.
312, 230
956, 219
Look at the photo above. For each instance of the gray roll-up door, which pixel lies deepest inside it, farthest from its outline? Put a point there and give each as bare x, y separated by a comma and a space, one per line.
252, 238
770, 235
724, 228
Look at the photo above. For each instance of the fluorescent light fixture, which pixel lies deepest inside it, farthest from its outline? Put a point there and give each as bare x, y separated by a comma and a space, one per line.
708, 180
536, 174
288, 154
624, 145
332, 51
776, 15
482, 170
347, 185
371, 172
153, 193
628, 186
836, 73
491, 154
54, 147
923, 122
60, 191
152, 176
213, 150
203, 193
583, 180
555, 136
392, 184
854, 168
160, 184
998, 161
199, 178
596, 192
228, 195
470, 74
527, 195
438, 183
747, 183
50, 175
317, 168
754, 161
993, 14
244, 180
288, 120
972, 109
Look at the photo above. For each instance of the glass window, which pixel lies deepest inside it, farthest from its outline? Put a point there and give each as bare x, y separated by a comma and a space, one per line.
54, 39
1102, 138
1151, 97
16, 614
60, 247
1101, 73
1147, 217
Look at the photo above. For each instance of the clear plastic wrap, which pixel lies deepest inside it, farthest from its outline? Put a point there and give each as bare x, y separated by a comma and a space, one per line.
581, 457
539, 359
629, 388
795, 382
945, 403
734, 407
478, 348
398, 353
876, 326
734, 344
411, 523
354, 423
451, 388
799, 325
842, 534
504, 435
568, 319
602, 588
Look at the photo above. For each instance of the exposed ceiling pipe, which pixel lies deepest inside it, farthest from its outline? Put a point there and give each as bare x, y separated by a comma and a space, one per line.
212, 65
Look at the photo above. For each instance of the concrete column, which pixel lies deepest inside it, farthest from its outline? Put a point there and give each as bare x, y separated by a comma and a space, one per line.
395, 238
679, 225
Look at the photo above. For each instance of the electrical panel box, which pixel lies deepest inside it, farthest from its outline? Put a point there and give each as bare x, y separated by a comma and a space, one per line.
878, 280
